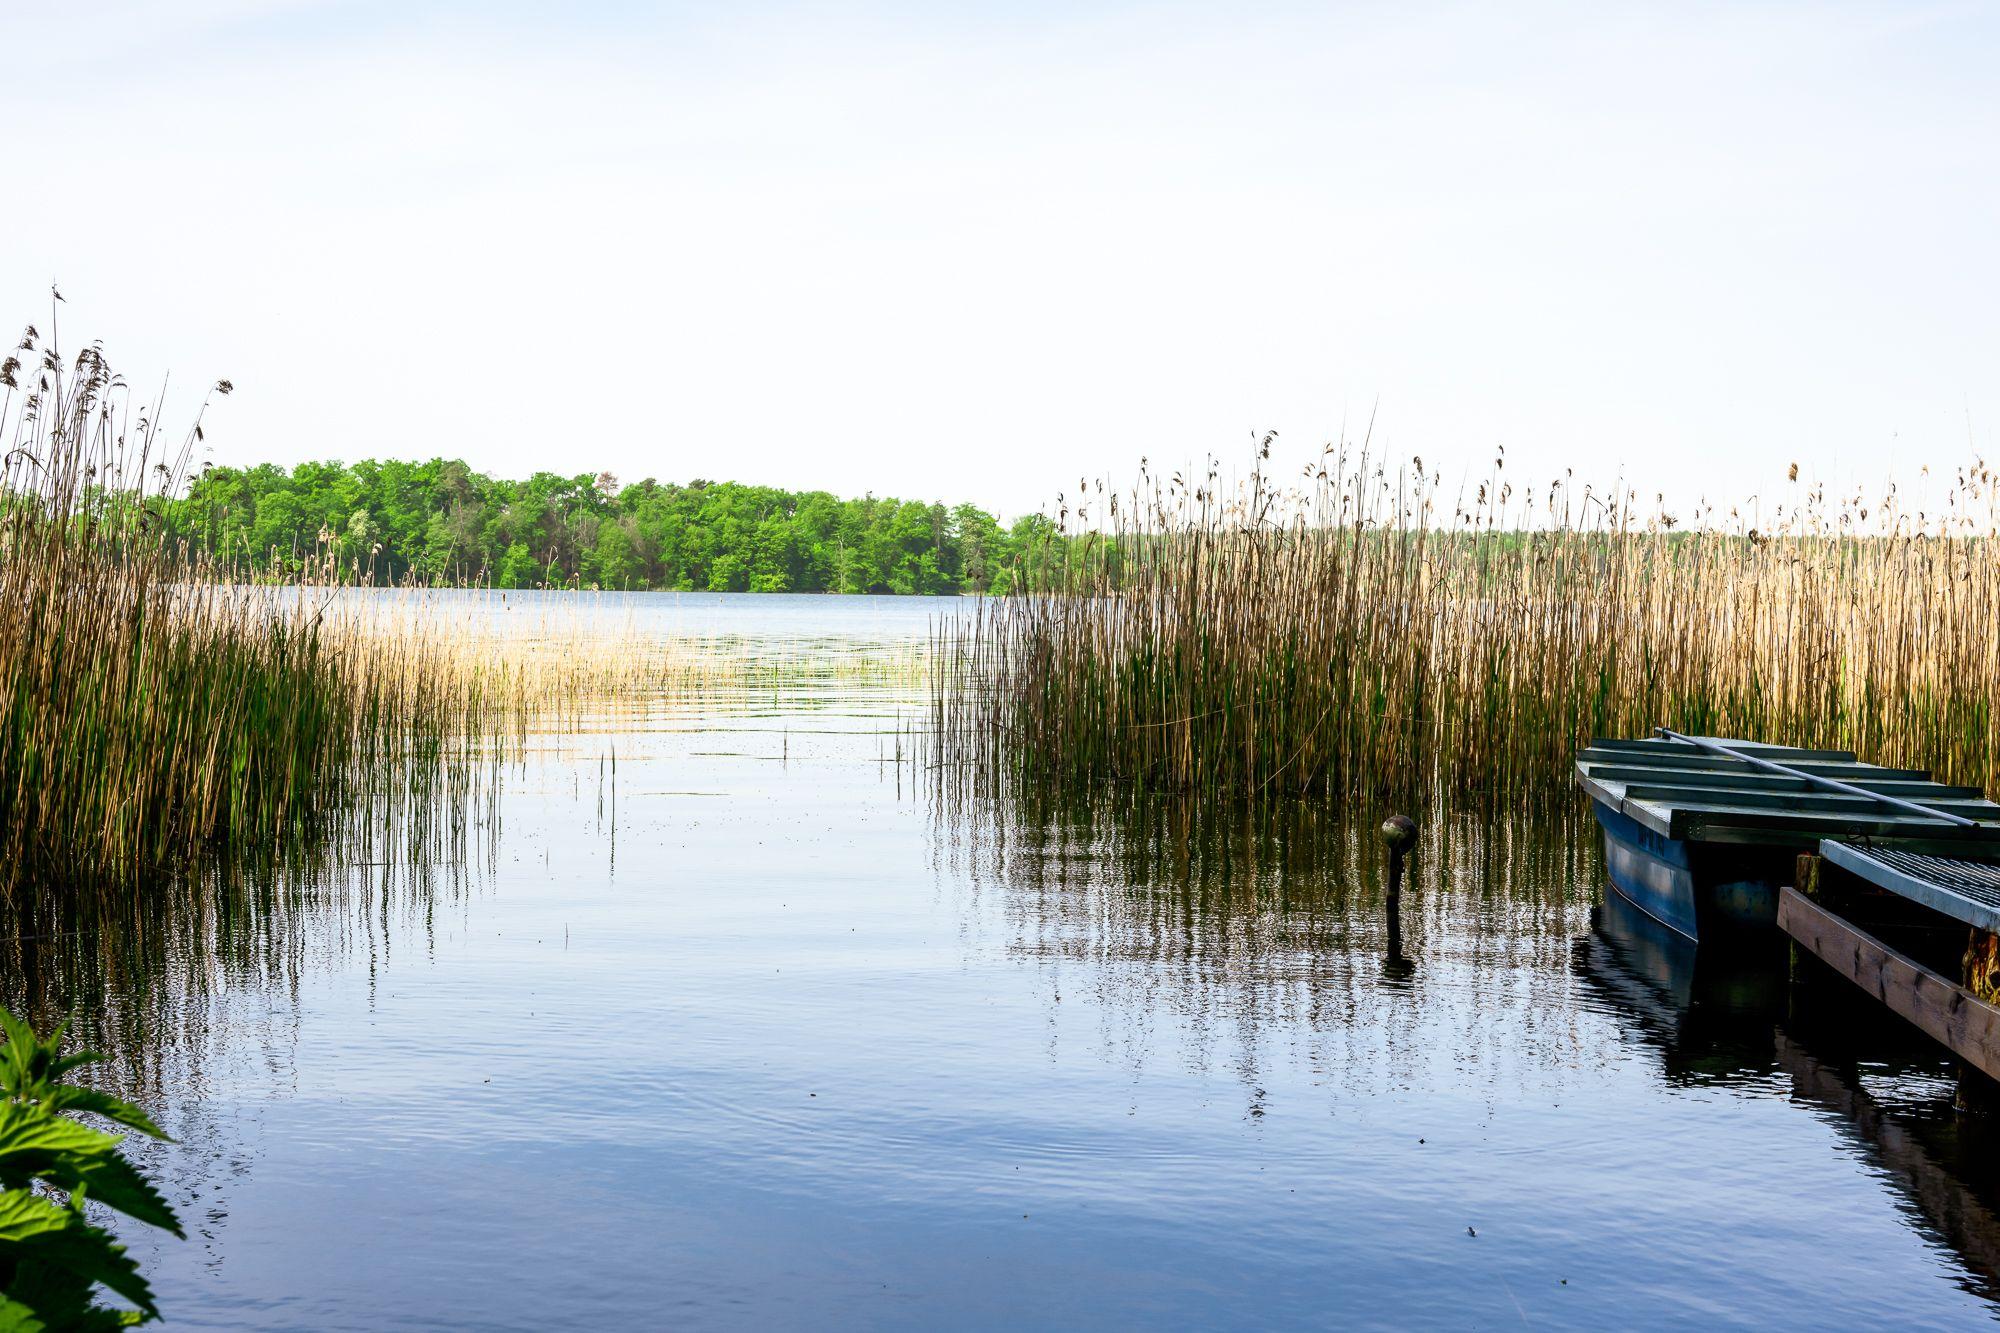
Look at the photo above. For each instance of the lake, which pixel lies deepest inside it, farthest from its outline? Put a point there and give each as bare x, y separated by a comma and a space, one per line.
737, 1017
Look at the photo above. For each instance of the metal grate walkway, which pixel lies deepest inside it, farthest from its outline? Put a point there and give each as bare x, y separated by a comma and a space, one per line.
1966, 890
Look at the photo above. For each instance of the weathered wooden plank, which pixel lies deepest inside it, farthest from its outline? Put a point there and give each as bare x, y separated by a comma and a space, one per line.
1652, 817
1946, 1011
1802, 840
1684, 793
1666, 752
1713, 822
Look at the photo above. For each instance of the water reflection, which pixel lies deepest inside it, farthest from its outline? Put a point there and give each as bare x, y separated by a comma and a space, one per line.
192, 991
147, 978
1709, 1012
1228, 938
1739, 1017
1255, 930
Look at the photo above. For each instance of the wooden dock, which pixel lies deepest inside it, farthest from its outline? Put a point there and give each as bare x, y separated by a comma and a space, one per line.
1917, 896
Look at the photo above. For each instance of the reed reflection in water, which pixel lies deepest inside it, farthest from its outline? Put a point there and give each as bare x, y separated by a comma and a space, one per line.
1263, 937
1254, 926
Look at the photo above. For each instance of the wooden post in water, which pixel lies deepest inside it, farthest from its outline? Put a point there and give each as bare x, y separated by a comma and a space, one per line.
1805, 879
1807, 875
1979, 972
1399, 835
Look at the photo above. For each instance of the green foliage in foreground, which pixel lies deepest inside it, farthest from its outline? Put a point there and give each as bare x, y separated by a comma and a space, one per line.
53, 1258
443, 523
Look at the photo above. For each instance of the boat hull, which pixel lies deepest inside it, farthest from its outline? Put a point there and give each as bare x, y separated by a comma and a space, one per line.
1688, 886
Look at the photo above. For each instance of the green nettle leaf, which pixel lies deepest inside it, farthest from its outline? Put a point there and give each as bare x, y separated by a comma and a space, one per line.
53, 1258
24, 1216
18, 1318
28, 1128
70, 1100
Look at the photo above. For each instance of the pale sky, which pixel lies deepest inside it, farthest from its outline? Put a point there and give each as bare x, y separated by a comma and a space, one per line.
973, 252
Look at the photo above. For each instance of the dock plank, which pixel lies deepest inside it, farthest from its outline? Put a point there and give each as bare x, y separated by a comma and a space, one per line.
1946, 1011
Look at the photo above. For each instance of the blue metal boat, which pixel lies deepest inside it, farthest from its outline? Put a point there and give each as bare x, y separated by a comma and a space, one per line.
1701, 833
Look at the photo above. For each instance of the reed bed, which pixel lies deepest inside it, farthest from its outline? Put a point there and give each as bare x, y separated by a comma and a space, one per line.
152, 712
1357, 632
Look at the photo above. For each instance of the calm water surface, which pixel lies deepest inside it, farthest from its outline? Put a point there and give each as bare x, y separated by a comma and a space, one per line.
761, 1030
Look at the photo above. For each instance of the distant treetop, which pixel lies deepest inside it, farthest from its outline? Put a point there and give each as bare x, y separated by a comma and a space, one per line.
442, 523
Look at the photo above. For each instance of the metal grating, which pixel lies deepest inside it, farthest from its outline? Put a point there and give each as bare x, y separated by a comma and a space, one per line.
1977, 880
1967, 890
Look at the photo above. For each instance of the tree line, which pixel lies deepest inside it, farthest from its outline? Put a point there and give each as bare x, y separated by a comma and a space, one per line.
441, 523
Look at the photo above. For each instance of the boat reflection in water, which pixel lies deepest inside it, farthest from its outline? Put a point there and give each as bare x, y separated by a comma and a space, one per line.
1709, 1011
1744, 1017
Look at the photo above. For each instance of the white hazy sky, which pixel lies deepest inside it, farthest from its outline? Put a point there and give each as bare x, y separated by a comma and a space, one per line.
973, 252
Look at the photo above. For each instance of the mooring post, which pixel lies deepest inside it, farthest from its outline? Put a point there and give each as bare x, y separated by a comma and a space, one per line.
1979, 972
1399, 835
1805, 878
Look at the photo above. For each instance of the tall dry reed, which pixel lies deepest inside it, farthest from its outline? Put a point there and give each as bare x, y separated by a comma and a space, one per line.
1359, 633
149, 710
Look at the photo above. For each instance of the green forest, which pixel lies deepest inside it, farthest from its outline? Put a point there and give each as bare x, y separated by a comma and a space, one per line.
440, 522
